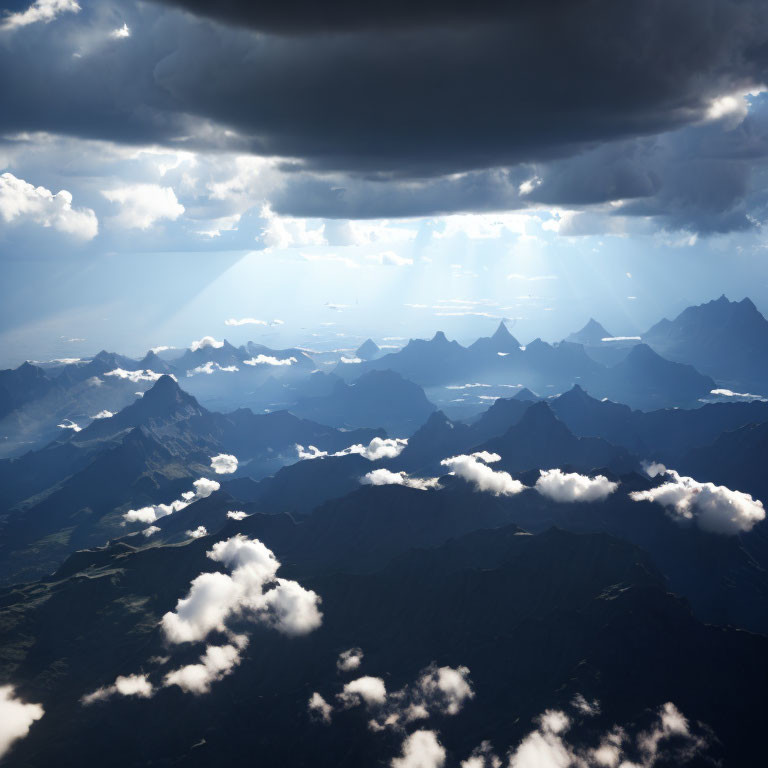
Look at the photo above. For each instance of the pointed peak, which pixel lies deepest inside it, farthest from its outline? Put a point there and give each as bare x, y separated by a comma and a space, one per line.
369, 348
526, 395
439, 338
537, 416
502, 332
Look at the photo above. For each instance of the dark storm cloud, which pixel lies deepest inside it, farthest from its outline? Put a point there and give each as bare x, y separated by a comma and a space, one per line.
380, 105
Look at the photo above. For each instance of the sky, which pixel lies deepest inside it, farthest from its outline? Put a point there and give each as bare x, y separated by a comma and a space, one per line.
342, 170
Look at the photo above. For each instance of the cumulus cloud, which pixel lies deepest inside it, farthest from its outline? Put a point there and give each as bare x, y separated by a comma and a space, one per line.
137, 376
224, 464
387, 477
584, 707
121, 32
713, 508
20, 202
211, 367
215, 597
151, 530
319, 707
421, 750
69, 424
203, 488
41, 10
105, 414
197, 533
571, 486
738, 395
128, 685
364, 690
474, 469
236, 514
217, 662
378, 448
141, 205
206, 341
16, 718
270, 360
351, 360
349, 660
244, 321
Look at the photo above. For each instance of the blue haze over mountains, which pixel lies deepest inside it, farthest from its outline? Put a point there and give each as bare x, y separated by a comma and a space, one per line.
406, 491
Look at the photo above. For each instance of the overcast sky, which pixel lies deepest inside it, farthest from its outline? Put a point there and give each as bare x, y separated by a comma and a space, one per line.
357, 169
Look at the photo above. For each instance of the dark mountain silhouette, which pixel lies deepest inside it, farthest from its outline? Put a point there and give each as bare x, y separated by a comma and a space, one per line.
377, 398
501, 341
526, 395
727, 340
540, 440
368, 350
20, 385
587, 613
592, 334
645, 380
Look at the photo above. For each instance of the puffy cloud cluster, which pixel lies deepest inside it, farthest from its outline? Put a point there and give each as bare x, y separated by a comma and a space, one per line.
236, 514
436, 691
141, 205
319, 707
378, 448
474, 469
421, 749
387, 477
713, 508
215, 597
137, 376
20, 201
571, 486
349, 660
203, 488
205, 342
217, 662
16, 717
270, 360
128, 685
224, 464
244, 321
197, 533
210, 367
251, 591
105, 414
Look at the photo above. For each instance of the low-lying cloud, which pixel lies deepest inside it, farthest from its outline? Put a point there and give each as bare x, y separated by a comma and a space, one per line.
224, 464
571, 486
387, 477
474, 469
713, 508
203, 488
378, 448
16, 717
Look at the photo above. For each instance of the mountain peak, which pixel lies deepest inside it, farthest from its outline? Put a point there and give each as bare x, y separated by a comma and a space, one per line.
439, 338
591, 334
367, 350
526, 395
502, 332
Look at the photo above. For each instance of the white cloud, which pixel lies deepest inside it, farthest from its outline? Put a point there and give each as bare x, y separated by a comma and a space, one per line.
129, 685
197, 533
137, 376
16, 717
288, 232
151, 531
236, 515
387, 477
390, 258
210, 367
349, 660
584, 707
141, 205
120, 32
378, 448
161, 348
364, 690
41, 10
571, 486
473, 469
224, 464
270, 360
421, 750
351, 360
319, 707
621, 338
203, 488
217, 662
215, 597
69, 424
244, 321
105, 414
206, 341
731, 393
713, 508
20, 201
